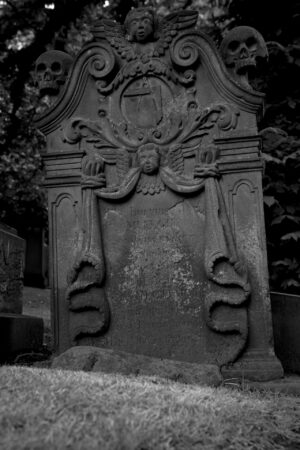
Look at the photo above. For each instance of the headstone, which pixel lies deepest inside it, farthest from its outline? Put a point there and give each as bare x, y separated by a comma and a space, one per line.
18, 333
154, 172
36, 261
286, 319
12, 256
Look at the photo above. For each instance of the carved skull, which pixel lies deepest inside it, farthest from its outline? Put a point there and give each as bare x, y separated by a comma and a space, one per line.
241, 49
51, 71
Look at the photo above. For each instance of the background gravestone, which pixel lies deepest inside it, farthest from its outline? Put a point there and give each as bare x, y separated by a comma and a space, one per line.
12, 255
155, 201
286, 317
18, 333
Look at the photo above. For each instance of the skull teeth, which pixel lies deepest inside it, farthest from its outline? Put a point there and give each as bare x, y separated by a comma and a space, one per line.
244, 63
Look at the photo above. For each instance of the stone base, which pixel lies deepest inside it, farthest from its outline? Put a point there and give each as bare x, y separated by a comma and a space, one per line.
286, 320
19, 334
94, 359
290, 385
254, 366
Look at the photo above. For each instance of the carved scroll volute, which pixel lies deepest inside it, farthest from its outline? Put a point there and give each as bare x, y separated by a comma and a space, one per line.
101, 64
242, 49
184, 53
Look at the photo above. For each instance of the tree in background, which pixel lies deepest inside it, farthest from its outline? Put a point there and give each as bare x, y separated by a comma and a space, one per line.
30, 27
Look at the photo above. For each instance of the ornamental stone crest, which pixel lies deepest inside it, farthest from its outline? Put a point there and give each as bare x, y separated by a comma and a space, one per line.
152, 150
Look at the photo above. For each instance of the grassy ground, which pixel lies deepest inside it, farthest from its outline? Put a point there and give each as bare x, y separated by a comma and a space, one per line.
47, 409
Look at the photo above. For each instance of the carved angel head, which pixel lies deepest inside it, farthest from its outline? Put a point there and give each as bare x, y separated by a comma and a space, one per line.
148, 157
140, 24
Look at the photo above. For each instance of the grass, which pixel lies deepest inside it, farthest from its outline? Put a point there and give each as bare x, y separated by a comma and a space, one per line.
52, 409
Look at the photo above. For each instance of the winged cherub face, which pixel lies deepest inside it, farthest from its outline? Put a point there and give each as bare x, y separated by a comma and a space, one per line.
140, 25
148, 158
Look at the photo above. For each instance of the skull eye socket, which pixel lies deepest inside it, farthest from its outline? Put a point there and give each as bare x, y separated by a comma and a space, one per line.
233, 46
41, 67
251, 43
56, 67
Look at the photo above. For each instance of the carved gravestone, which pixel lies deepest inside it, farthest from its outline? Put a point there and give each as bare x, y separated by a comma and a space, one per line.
155, 200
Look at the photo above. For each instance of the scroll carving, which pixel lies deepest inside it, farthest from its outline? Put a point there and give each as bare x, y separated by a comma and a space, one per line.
102, 63
85, 294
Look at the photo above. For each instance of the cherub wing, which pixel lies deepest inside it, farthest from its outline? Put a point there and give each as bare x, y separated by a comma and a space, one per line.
170, 26
176, 159
122, 163
114, 34
106, 150
115, 156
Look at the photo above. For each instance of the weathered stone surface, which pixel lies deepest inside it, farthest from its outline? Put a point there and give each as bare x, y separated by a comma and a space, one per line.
289, 385
19, 334
254, 365
12, 256
286, 325
155, 200
241, 49
93, 359
50, 75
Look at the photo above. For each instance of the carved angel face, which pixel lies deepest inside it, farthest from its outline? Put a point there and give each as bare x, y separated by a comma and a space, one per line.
51, 70
140, 25
148, 158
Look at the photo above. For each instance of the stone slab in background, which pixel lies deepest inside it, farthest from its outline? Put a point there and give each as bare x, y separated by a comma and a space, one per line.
286, 326
12, 255
93, 359
19, 334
